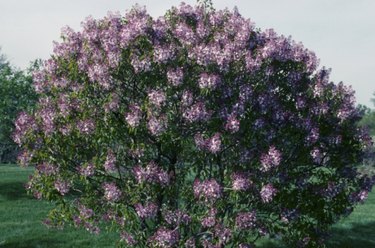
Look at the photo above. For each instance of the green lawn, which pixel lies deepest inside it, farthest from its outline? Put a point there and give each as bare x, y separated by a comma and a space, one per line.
21, 226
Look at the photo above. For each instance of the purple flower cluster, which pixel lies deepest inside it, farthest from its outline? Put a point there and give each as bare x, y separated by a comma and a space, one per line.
212, 144
246, 220
240, 181
157, 125
47, 169
86, 126
165, 238
209, 190
62, 186
128, 238
134, 116
149, 210
152, 173
271, 159
23, 124
157, 98
208, 81
111, 192
210, 219
87, 170
175, 76
232, 124
110, 162
197, 112
176, 217
267, 193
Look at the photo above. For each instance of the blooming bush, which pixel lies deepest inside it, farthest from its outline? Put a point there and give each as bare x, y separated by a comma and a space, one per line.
192, 130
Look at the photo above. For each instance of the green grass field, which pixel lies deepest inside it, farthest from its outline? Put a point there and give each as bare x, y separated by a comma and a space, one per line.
21, 221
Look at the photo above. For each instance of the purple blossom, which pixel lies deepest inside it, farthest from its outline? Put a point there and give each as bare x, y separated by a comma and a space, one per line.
246, 220
113, 104
139, 65
47, 169
232, 124
176, 217
190, 243
270, 159
316, 154
110, 162
209, 190
165, 238
362, 196
134, 116
87, 170
86, 126
175, 76
267, 193
240, 181
209, 81
213, 144
157, 98
62, 186
128, 238
187, 98
224, 234
157, 125
85, 213
197, 112
152, 173
148, 210
111, 192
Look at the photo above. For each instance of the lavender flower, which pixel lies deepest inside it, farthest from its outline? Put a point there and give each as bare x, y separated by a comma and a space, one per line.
86, 126
157, 98
62, 186
213, 144
209, 81
209, 190
240, 181
270, 159
128, 238
175, 77
246, 220
267, 193
87, 170
157, 125
176, 217
111, 192
233, 124
197, 112
165, 238
110, 162
47, 169
146, 211
133, 117
152, 173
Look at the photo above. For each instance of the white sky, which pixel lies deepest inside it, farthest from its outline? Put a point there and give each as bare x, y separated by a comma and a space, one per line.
341, 32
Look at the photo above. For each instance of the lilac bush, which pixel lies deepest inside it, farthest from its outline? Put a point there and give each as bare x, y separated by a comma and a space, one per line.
195, 129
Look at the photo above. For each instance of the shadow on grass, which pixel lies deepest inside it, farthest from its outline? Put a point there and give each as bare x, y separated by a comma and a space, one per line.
13, 191
357, 235
33, 243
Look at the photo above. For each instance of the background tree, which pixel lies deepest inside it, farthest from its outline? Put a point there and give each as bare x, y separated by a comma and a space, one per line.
17, 94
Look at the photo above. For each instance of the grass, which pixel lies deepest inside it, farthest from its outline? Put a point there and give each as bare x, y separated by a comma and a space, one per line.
21, 221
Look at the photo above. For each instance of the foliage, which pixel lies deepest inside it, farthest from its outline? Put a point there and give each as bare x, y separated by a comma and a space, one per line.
17, 94
194, 129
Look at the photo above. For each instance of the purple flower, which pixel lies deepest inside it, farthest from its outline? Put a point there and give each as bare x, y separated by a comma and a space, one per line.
157, 125
152, 173
362, 196
197, 112
157, 97
240, 181
62, 186
146, 211
176, 217
209, 81
209, 190
165, 238
110, 162
134, 116
87, 170
267, 193
85, 213
47, 169
128, 238
222, 233
111, 192
246, 220
233, 124
175, 76
213, 144
271, 159
86, 126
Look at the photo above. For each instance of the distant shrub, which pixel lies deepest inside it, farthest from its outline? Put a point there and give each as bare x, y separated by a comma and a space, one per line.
194, 129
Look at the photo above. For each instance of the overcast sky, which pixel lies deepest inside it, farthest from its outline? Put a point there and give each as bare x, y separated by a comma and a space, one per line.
340, 32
